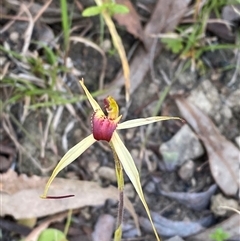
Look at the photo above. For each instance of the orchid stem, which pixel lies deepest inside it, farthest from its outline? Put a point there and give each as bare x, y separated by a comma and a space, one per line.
120, 181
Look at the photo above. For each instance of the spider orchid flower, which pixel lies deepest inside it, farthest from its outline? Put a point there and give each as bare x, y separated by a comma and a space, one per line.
105, 128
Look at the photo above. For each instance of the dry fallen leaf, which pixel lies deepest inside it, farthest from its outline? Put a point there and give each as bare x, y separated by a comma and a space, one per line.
222, 154
195, 201
33, 236
169, 228
221, 30
43, 33
20, 196
130, 20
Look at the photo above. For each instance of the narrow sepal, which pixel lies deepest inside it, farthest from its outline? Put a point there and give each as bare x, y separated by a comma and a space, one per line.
93, 102
132, 172
68, 158
144, 121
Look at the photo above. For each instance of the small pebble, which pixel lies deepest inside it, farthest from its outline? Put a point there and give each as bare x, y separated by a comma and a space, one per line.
104, 228
150, 187
193, 182
107, 173
233, 99
72, 175
2, 60
78, 134
219, 200
93, 165
130, 134
106, 45
14, 36
231, 14
129, 190
183, 146
186, 171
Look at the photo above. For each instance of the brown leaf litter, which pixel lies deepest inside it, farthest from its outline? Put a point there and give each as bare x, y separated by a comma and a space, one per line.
171, 13
130, 20
194, 201
169, 228
223, 155
26, 191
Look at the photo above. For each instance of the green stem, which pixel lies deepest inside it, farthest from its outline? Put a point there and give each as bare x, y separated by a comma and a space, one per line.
69, 217
120, 181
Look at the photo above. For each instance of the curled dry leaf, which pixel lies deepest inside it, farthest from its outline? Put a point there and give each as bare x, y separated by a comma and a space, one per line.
221, 30
168, 228
33, 236
195, 201
223, 155
26, 191
130, 20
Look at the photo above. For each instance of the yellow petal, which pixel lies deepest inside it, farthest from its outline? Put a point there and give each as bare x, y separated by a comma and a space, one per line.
144, 121
68, 158
132, 172
93, 102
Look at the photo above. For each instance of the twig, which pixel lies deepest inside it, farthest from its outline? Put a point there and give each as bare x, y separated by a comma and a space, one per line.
9, 130
229, 208
41, 11
236, 72
45, 134
29, 30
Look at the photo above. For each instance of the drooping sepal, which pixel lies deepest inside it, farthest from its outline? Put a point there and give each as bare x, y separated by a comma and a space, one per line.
67, 159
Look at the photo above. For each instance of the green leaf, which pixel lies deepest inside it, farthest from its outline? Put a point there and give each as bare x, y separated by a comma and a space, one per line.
219, 235
119, 8
174, 44
51, 57
92, 11
65, 22
52, 234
